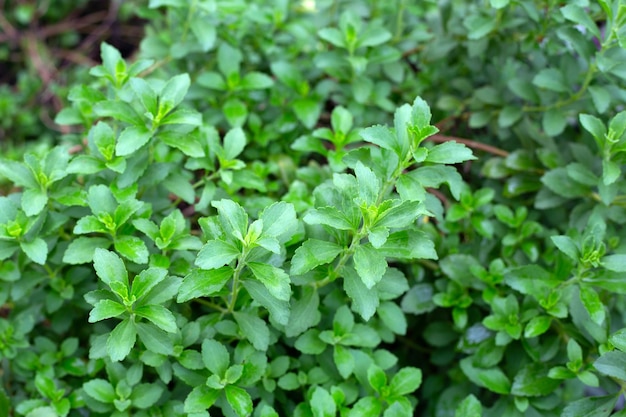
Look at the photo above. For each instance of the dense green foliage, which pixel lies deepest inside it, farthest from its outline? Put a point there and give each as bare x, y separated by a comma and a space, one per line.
261, 214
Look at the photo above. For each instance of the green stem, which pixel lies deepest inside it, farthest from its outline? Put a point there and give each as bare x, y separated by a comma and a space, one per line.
210, 305
399, 20
241, 263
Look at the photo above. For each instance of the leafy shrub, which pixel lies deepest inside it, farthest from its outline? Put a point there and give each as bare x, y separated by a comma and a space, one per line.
254, 222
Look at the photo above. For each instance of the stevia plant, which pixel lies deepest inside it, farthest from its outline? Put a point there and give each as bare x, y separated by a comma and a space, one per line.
252, 222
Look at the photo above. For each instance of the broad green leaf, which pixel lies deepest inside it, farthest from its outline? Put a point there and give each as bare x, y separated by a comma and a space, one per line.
215, 254
366, 407
592, 303
239, 400
131, 139
228, 59
533, 381
215, 357
537, 326
307, 111
121, 340
450, 153
342, 357
33, 201
101, 390
146, 94
553, 122
256, 81
312, 253
551, 79
159, 315
334, 36
146, 281
18, 174
373, 36
601, 98
392, 316
182, 117
479, 26
155, 339
381, 136
173, 93
200, 399
146, 395
491, 378
82, 249
469, 407
591, 407
566, 245
275, 279
205, 33
329, 216
578, 15
364, 300
36, 250
101, 200
401, 215
105, 309
202, 283
369, 264
509, 115
132, 248
254, 329
322, 403
278, 309
369, 184
405, 381
279, 221
594, 126
233, 215
310, 343
304, 313
236, 113
110, 268
612, 364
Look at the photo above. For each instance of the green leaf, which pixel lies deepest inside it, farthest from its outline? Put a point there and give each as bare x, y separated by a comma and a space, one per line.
400, 215
155, 339
341, 355
330, 217
551, 79
239, 400
612, 364
33, 201
369, 264
449, 153
146, 94
553, 122
537, 326
332, 35
508, 116
36, 250
369, 184
405, 381
146, 395
200, 283
254, 329
304, 313
364, 300
533, 381
159, 315
256, 81
182, 117
215, 357
100, 390
310, 343
206, 34
121, 340
146, 281
566, 245
312, 253
592, 303
469, 407
578, 15
131, 139
215, 254
105, 309
18, 174
82, 249
132, 248
594, 126
383, 137
491, 378
232, 215
307, 111
173, 93
393, 317
601, 98
479, 26
278, 309
591, 407
236, 113
611, 171
200, 399
275, 279
616, 263
109, 267
322, 403
366, 407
